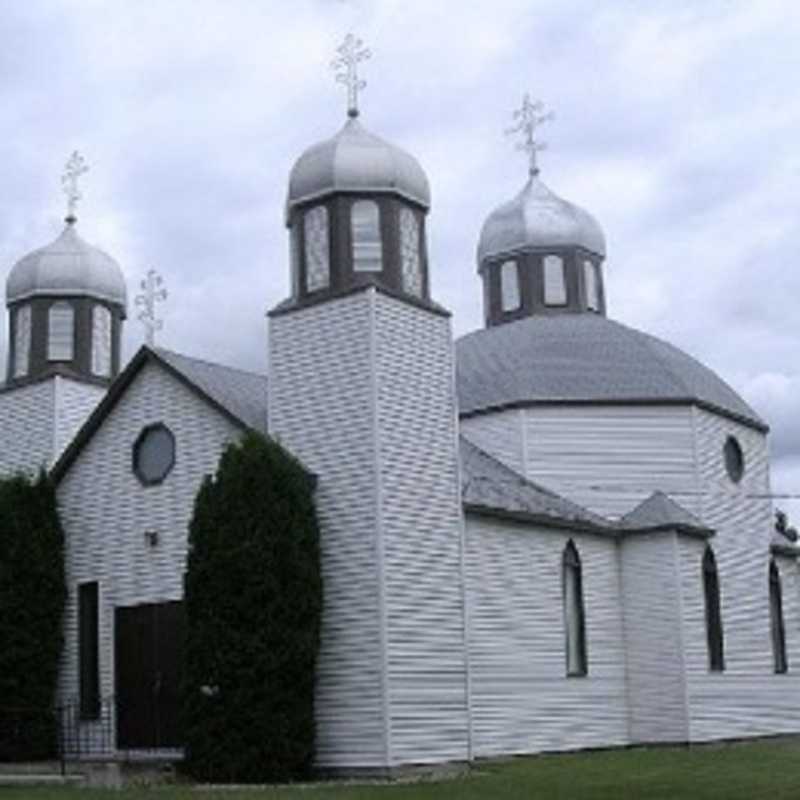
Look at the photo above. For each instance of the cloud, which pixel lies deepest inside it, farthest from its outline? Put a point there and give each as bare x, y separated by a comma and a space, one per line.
675, 126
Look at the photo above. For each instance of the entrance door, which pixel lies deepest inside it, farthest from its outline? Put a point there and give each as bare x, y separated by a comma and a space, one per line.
148, 656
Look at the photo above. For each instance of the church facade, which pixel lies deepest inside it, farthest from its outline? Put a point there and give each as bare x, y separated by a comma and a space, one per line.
554, 533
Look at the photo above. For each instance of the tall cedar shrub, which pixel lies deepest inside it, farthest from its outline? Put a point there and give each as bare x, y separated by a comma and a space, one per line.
253, 604
32, 596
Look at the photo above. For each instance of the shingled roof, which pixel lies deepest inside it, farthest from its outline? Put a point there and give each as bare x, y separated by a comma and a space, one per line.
491, 487
584, 358
239, 395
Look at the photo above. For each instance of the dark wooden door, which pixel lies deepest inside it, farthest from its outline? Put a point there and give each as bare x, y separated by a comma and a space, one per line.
148, 657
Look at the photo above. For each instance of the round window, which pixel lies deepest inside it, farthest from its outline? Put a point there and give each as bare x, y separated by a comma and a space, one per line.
734, 459
154, 454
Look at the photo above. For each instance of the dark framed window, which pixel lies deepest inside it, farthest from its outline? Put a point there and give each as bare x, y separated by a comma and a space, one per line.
776, 620
365, 227
61, 332
734, 459
714, 636
88, 655
574, 618
154, 454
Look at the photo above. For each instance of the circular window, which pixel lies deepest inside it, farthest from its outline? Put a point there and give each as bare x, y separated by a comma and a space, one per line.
153, 454
734, 459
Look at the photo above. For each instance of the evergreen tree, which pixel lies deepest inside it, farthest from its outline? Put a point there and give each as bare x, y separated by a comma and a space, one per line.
32, 596
253, 605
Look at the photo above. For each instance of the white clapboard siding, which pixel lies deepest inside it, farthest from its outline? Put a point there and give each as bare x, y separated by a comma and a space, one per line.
653, 638
607, 458
27, 427
421, 531
522, 701
748, 698
105, 510
361, 390
74, 401
501, 434
320, 407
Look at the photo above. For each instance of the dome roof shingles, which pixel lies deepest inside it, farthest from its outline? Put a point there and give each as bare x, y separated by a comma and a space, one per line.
584, 358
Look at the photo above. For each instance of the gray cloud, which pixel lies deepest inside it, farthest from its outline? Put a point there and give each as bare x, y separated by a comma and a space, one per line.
676, 126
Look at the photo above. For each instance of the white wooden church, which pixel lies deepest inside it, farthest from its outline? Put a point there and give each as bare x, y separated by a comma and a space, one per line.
554, 533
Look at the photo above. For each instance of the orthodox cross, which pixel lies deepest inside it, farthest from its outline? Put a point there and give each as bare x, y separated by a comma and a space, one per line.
152, 292
527, 118
75, 167
345, 66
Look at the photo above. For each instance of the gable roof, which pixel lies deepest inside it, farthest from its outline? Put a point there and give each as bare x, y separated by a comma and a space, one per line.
489, 486
239, 395
660, 513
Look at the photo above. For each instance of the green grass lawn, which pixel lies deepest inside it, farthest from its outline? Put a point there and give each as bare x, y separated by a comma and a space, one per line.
730, 772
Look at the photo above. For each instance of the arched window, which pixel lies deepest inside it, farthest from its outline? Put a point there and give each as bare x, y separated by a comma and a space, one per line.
365, 225
509, 286
572, 580
101, 341
776, 619
555, 286
716, 654
409, 252
61, 332
22, 341
590, 279
315, 229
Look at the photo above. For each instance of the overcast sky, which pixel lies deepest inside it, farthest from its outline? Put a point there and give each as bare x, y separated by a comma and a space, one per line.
676, 126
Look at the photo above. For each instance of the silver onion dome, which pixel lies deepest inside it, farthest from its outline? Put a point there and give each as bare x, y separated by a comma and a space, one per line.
67, 266
538, 218
356, 160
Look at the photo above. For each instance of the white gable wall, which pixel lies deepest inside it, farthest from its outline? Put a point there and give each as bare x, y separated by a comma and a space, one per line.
522, 701
105, 510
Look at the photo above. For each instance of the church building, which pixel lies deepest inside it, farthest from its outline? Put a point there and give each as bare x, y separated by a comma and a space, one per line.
554, 533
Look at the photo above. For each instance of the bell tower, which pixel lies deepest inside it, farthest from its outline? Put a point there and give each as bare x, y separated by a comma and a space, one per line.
361, 389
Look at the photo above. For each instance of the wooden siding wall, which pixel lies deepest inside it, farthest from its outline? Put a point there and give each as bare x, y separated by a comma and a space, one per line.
607, 458
74, 401
653, 639
320, 407
27, 419
361, 389
106, 511
422, 534
748, 698
522, 701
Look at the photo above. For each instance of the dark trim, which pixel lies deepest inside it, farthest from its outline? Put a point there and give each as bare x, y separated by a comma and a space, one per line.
611, 530
298, 304
60, 370
619, 401
143, 434
115, 391
88, 650
528, 517
784, 550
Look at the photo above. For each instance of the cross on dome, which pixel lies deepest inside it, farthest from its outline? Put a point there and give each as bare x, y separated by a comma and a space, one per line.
74, 168
153, 292
345, 66
527, 118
